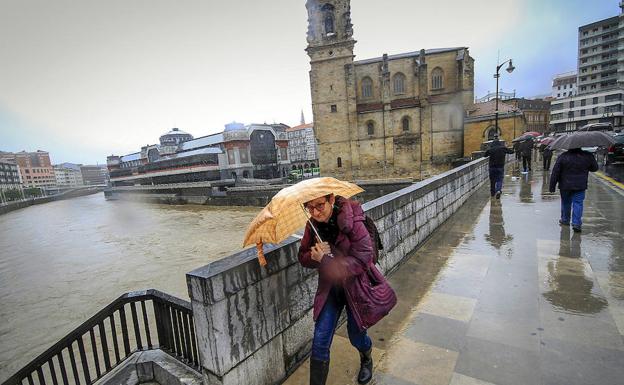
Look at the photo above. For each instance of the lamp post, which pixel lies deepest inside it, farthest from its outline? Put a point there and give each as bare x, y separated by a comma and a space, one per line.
509, 69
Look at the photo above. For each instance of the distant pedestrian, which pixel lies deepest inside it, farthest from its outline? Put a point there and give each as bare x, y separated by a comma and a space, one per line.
547, 153
516, 147
498, 154
526, 150
570, 172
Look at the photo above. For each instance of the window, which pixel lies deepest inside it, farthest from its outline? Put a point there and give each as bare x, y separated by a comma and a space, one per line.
595, 111
437, 79
339, 162
370, 128
490, 133
571, 103
399, 84
583, 102
367, 87
582, 112
328, 18
595, 100
333, 108
405, 123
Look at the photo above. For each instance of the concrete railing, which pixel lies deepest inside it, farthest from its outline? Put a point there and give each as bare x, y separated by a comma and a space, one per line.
254, 324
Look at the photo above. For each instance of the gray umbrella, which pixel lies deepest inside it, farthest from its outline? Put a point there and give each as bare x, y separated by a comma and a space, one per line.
582, 139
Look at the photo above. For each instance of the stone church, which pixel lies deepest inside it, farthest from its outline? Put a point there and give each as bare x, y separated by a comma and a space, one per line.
395, 116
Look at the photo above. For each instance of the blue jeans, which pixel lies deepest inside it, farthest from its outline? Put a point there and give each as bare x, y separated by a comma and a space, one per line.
496, 179
572, 200
326, 326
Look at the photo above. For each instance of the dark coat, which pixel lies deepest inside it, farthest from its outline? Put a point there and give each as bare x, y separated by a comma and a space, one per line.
526, 147
352, 250
497, 153
571, 170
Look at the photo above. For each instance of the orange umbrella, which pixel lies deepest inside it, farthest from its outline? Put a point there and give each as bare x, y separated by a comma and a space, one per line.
285, 213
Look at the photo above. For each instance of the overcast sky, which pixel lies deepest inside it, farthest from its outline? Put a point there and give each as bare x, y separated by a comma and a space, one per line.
84, 79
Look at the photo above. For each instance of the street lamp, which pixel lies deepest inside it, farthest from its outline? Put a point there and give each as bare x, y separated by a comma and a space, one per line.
509, 69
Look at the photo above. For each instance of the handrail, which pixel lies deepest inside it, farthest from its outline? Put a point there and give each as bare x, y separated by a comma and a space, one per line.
175, 333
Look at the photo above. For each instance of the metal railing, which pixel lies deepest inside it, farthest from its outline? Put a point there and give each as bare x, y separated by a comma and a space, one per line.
109, 337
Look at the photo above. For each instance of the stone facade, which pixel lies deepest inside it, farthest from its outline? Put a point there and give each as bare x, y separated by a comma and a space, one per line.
536, 113
476, 131
392, 116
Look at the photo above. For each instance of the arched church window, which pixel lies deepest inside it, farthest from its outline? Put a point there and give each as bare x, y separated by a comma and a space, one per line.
491, 132
399, 84
339, 162
370, 127
328, 18
367, 87
405, 123
437, 79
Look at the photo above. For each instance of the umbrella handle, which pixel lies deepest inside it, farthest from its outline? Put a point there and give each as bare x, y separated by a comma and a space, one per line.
318, 236
261, 258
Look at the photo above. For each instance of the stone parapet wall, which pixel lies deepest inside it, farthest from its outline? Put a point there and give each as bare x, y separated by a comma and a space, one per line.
254, 324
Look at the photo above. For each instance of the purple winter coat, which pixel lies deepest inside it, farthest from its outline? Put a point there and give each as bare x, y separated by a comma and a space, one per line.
353, 254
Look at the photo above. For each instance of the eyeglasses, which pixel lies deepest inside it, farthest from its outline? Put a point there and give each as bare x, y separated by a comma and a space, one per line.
318, 207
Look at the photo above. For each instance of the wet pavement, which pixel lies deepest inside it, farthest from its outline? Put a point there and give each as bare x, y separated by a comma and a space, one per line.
501, 294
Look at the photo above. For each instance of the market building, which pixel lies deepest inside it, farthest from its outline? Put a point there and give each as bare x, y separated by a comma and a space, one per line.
255, 151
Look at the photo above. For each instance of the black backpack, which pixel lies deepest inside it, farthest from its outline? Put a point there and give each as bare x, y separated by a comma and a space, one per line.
370, 225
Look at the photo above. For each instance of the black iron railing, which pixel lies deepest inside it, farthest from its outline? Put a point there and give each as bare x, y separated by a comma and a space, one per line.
125, 326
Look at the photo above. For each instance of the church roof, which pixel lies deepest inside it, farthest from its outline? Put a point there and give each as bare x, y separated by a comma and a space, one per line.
489, 108
408, 54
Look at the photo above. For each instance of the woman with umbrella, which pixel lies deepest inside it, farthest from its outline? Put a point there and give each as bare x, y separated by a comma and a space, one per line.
337, 242
571, 171
345, 252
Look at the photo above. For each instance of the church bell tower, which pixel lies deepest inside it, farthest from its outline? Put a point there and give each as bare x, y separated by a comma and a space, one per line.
330, 47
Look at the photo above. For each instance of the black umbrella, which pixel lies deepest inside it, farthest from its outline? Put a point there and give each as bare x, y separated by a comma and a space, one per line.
582, 139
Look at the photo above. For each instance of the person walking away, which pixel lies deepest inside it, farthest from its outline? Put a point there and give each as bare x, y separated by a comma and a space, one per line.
345, 252
497, 154
547, 156
526, 150
570, 172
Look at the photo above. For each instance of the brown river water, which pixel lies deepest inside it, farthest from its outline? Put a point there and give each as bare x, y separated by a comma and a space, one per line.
63, 261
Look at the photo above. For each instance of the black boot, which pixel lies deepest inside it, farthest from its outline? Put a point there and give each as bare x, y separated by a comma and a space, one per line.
318, 372
366, 367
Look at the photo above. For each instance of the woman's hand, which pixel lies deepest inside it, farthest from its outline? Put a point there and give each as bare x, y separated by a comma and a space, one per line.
319, 250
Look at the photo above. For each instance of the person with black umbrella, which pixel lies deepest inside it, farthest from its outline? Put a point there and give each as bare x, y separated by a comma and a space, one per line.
571, 171
498, 154
526, 149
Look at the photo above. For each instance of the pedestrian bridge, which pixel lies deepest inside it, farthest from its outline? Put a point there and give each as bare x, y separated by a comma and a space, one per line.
501, 294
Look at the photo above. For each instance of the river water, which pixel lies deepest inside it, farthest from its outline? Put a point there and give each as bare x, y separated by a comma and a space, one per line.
63, 261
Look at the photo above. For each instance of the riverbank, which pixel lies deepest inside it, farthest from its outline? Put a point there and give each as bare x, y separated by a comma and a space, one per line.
12, 206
